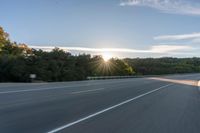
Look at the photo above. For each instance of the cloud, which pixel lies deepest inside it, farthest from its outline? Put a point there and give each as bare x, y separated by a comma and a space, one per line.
169, 48
196, 40
86, 49
167, 6
195, 36
157, 49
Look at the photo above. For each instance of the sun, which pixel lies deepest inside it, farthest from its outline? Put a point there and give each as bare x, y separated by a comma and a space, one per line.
106, 56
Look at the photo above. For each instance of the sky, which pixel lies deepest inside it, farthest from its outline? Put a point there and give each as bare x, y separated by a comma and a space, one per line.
122, 28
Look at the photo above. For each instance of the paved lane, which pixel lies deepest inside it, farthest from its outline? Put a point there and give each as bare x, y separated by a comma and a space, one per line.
145, 105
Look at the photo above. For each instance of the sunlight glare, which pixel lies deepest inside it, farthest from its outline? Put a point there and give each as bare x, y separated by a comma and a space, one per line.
106, 56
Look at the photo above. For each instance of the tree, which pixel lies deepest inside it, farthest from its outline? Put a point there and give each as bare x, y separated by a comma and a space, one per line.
3, 37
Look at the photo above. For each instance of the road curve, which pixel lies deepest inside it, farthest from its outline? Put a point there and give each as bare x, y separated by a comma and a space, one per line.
138, 105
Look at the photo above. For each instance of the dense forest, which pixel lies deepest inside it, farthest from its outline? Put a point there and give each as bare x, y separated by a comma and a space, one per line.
165, 65
18, 61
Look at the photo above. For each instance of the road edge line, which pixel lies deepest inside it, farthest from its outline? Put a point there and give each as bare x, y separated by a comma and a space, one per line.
106, 109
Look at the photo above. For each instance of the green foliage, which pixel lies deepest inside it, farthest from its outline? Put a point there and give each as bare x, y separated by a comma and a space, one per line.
17, 62
150, 66
113, 67
3, 38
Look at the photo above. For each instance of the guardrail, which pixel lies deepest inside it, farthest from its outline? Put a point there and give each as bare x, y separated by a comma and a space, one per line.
110, 77
133, 76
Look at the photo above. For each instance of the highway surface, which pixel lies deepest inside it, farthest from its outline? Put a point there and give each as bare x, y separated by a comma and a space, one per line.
167, 104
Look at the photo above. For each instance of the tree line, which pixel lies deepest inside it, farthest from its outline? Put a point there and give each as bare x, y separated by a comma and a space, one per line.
18, 61
165, 65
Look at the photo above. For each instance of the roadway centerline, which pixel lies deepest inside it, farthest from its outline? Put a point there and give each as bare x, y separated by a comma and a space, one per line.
30, 90
78, 92
52, 88
105, 110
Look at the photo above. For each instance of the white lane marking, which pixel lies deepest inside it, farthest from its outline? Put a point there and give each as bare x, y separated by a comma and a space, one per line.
52, 88
27, 90
40, 89
7, 85
105, 110
78, 92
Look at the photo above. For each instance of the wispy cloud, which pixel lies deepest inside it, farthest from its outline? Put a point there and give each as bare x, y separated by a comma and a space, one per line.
86, 49
167, 6
159, 49
169, 48
178, 37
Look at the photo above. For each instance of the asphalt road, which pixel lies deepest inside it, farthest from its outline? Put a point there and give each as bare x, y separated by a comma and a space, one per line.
169, 104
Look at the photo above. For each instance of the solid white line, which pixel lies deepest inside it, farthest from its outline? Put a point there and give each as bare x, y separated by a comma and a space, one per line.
78, 92
104, 110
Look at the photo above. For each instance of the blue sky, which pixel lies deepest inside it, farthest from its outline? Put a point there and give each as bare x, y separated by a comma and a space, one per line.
124, 28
